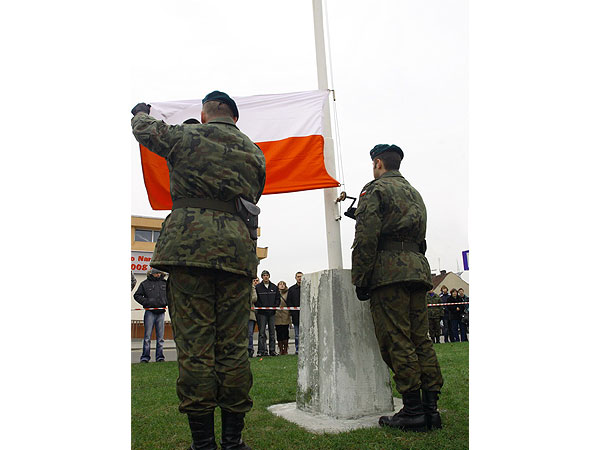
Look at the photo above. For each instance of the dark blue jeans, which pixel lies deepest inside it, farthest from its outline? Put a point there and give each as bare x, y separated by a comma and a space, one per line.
154, 320
455, 324
263, 321
296, 336
251, 324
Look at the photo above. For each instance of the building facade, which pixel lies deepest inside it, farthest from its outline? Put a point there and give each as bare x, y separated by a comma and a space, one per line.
451, 281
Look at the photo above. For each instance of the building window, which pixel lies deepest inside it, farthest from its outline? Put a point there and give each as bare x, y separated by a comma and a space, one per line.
146, 235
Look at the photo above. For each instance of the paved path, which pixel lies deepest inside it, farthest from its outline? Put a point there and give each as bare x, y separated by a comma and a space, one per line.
170, 352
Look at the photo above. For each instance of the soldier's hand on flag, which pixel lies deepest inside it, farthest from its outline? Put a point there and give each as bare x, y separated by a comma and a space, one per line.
141, 107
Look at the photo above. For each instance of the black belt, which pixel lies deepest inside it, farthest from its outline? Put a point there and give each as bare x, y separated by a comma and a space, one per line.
207, 203
398, 246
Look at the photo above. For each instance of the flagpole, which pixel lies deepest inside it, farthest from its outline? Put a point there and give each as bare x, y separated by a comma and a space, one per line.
332, 224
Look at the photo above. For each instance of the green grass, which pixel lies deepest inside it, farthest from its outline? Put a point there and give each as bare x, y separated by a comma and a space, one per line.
156, 423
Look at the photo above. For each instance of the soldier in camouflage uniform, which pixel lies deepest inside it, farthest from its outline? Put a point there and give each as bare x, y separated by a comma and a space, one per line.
211, 258
434, 314
389, 267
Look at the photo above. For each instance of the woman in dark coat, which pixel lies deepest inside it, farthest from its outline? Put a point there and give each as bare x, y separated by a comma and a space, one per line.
455, 313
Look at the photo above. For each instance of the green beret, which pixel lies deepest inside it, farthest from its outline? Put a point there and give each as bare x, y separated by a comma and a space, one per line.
218, 96
380, 148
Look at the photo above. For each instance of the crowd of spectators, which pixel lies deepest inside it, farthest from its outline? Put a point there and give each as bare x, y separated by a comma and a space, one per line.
454, 318
276, 321
448, 322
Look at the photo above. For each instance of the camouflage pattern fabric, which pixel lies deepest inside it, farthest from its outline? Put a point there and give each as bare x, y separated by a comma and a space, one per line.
434, 312
399, 314
434, 329
209, 313
389, 208
216, 161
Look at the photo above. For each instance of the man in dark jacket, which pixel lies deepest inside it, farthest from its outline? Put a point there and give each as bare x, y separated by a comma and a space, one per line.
293, 299
268, 295
152, 295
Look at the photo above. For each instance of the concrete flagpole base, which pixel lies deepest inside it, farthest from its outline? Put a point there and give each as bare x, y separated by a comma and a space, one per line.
341, 376
321, 423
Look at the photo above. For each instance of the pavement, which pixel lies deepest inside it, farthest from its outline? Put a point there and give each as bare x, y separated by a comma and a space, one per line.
168, 350
171, 353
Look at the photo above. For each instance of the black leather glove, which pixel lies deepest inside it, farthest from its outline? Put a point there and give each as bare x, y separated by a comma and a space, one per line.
351, 213
363, 293
141, 107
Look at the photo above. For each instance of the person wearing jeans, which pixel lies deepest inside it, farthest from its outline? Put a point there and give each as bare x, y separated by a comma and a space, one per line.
154, 319
293, 299
152, 295
268, 296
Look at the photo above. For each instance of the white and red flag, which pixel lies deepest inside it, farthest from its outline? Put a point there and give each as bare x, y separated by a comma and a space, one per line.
288, 128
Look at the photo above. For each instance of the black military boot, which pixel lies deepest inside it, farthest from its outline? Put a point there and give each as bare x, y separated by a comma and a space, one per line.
231, 431
202, 427
432, 415
411, 417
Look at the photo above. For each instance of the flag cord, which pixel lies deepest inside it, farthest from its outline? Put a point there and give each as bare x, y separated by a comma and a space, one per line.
336, 127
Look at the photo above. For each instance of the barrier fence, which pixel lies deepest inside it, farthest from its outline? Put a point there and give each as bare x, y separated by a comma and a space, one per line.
297, 308
137, 330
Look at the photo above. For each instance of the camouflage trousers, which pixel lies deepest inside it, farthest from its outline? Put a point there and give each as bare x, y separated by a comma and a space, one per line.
434, 327
209, 312
400, 319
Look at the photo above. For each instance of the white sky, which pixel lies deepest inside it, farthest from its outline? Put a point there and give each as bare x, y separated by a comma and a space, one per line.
400, 76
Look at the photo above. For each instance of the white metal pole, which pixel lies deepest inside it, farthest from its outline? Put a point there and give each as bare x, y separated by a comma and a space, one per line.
334, 241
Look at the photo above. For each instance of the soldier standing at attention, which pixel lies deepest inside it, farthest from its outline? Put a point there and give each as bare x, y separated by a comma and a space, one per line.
434, 314
210, 254
390, 268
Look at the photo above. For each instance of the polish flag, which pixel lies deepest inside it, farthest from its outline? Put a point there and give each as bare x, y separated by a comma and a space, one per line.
288, 128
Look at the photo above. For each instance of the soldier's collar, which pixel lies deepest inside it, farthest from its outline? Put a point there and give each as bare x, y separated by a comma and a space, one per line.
225, 120
391, 173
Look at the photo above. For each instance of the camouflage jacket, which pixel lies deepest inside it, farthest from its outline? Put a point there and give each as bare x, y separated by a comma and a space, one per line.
389, 208
434, 312
213, 160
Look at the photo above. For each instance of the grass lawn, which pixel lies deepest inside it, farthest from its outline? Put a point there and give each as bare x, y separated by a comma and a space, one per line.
156, 423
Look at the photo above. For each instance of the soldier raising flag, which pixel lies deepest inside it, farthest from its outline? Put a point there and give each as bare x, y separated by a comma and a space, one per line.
207, 244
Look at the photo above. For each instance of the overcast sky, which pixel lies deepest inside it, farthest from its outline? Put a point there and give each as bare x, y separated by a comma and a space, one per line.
399, 70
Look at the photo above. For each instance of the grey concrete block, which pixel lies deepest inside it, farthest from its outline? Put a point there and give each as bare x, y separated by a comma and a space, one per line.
340, 370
